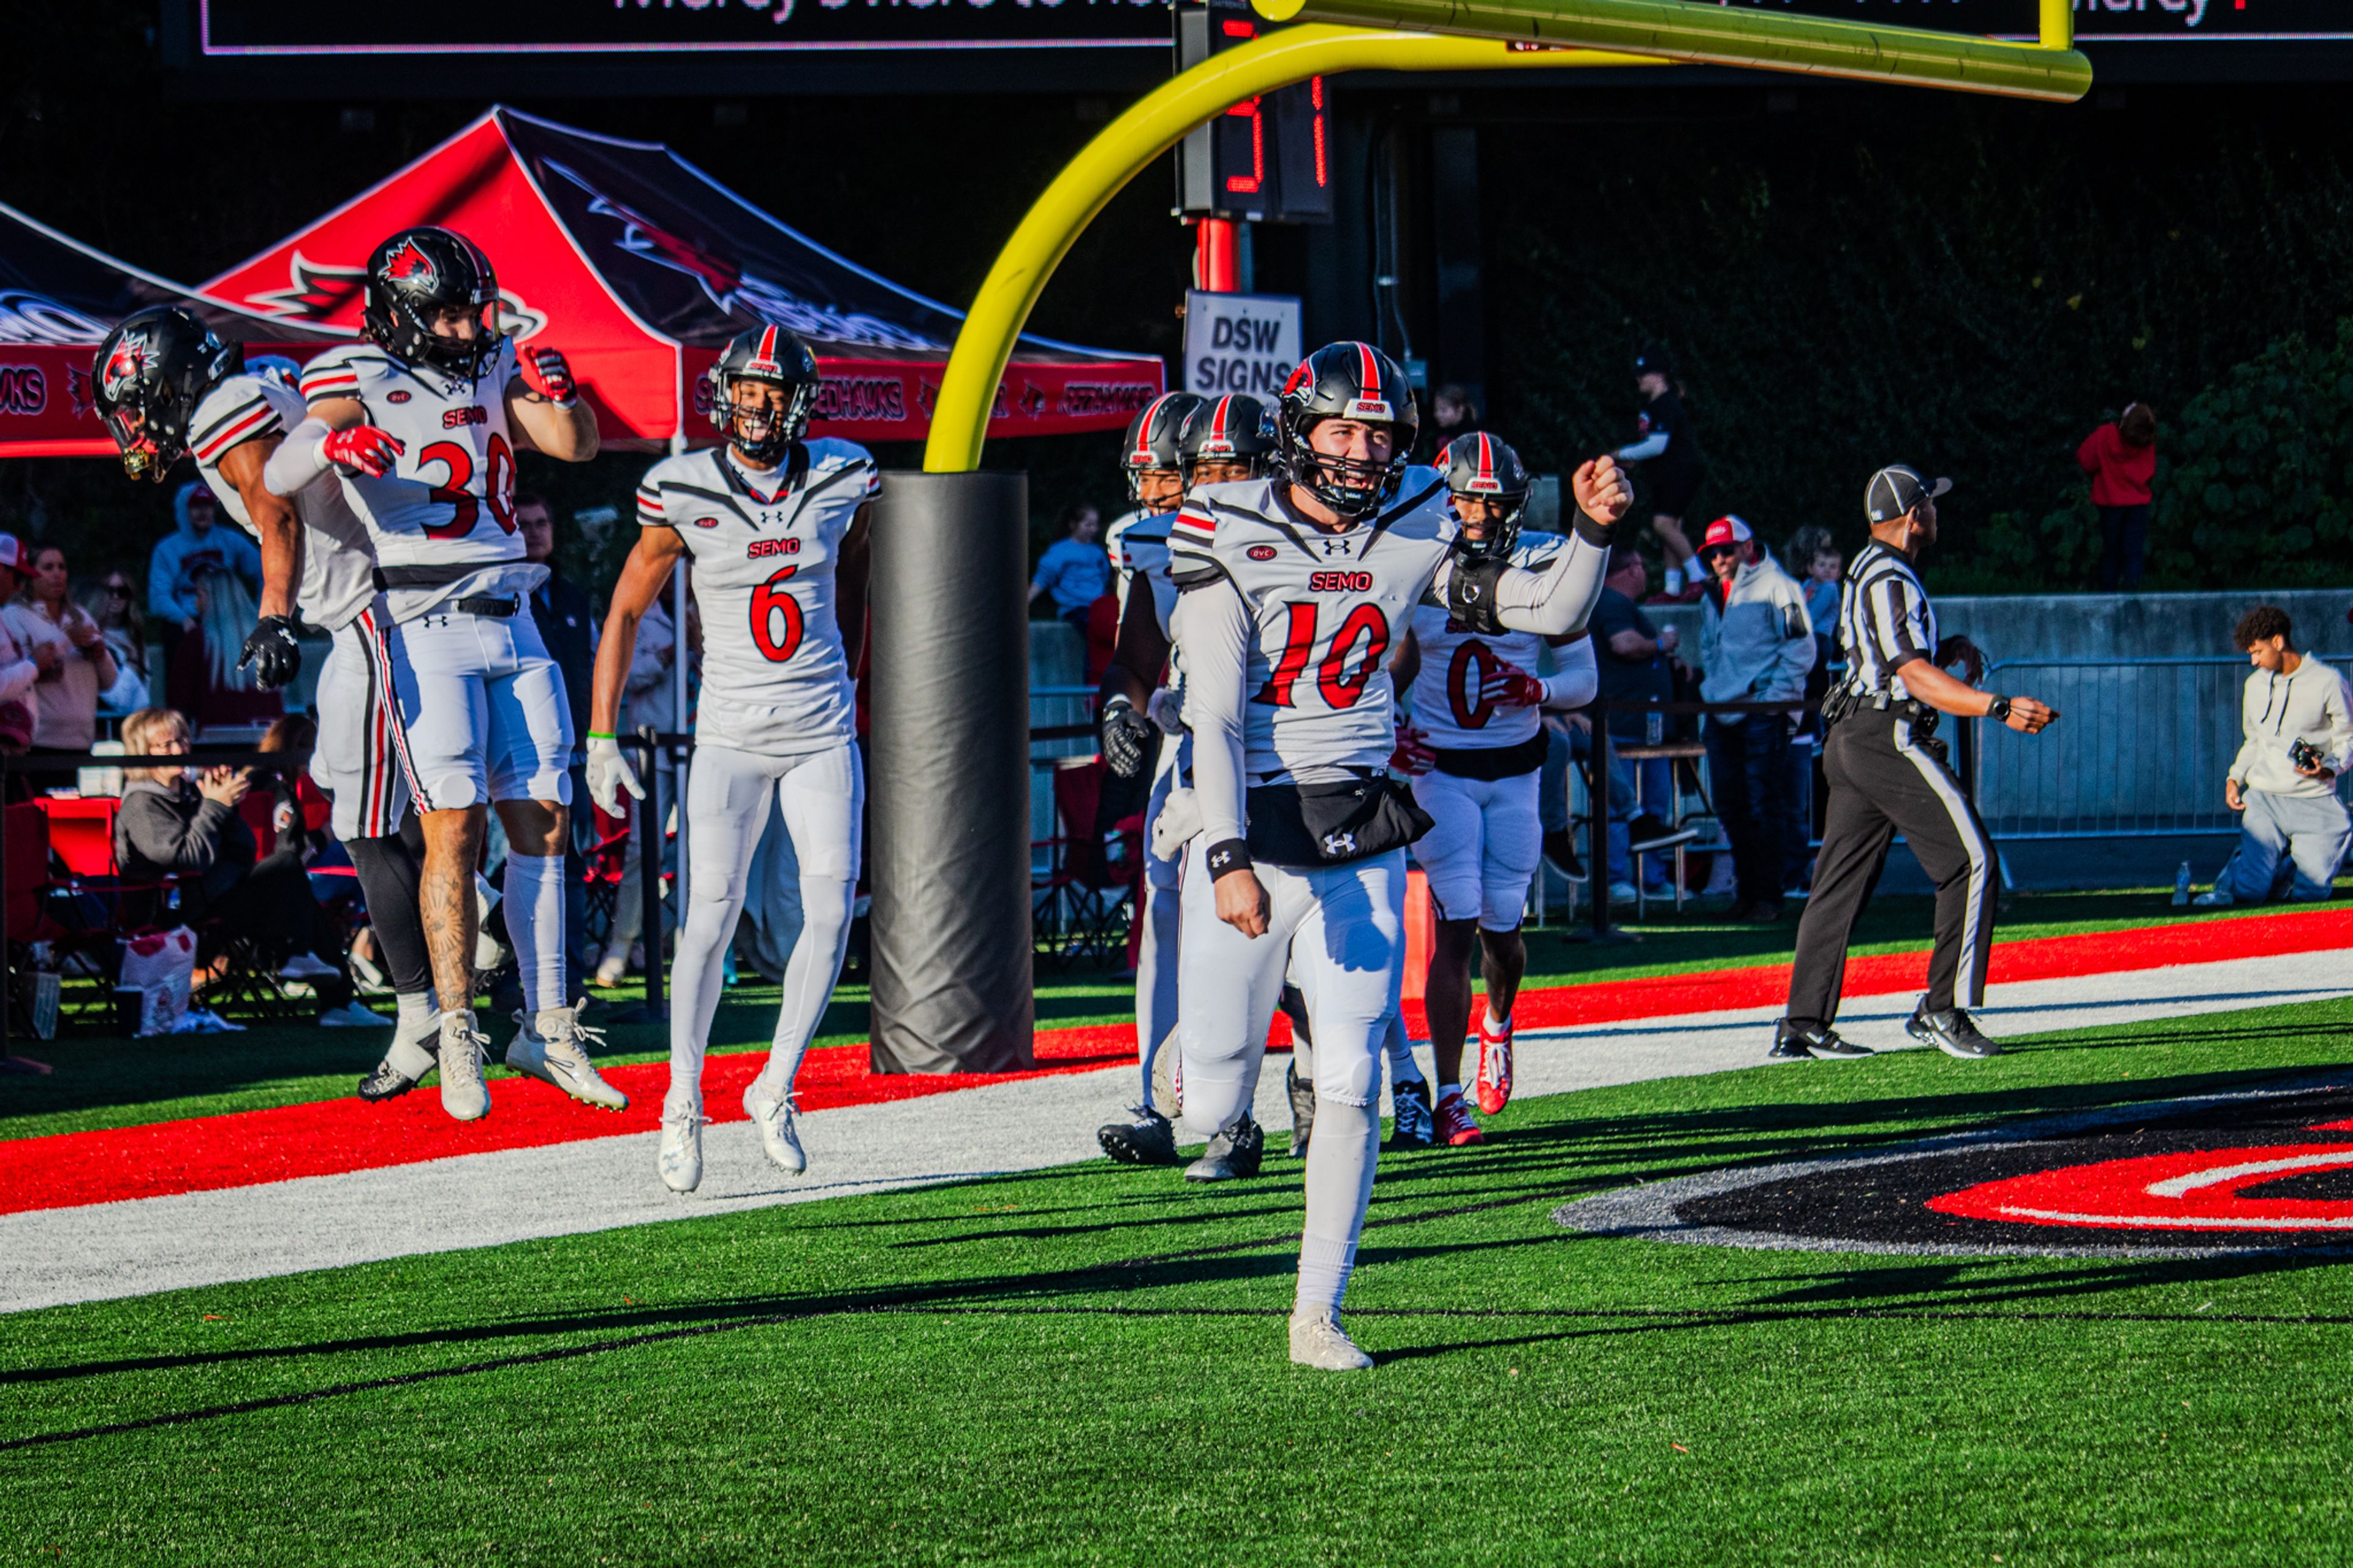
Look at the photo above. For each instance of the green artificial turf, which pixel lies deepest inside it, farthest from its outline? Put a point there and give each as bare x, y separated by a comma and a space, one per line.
101, 1081
1086, 1365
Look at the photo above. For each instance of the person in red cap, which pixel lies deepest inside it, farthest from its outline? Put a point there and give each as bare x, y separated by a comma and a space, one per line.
1755, 644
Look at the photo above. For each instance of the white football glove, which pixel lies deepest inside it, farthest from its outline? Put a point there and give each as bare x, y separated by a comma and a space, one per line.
1167, 709
609, 773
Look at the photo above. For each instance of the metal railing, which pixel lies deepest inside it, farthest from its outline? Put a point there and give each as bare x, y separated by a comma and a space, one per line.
2139, 751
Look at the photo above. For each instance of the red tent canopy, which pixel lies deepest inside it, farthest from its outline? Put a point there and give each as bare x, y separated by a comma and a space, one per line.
639, 266
58, 298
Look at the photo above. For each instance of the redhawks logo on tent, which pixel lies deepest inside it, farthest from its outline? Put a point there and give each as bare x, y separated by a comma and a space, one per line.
409, 264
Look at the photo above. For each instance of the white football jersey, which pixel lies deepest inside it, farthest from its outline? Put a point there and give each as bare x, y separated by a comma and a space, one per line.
776, 679
1328, 609
338, 558
1446, 695
450, 500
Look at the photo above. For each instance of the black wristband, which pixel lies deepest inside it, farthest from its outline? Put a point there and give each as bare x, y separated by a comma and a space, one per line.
1999, 709
1228, 855
1593, 530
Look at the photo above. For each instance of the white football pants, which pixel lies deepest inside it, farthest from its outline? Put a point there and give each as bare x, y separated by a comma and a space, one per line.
483, 711
823, 795
1480, 854
1156, 956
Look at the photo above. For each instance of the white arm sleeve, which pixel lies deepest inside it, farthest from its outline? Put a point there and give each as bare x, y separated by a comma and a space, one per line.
1212, 626
1554, 602
1650, 446
1578, 678
297, 462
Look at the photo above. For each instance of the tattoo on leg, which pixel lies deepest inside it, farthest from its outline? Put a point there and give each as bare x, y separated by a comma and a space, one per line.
453, 842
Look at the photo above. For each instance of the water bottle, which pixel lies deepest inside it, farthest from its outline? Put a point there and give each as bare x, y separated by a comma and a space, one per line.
2181, 886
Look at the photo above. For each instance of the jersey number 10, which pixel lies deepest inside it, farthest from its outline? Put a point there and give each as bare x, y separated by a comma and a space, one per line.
1340, 686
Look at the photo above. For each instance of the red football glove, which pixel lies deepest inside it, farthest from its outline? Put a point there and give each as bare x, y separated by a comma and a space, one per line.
1510, 686
1413, 753
364, 447
544, 371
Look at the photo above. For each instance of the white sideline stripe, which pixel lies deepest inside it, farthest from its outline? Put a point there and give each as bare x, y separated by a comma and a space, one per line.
106, 1251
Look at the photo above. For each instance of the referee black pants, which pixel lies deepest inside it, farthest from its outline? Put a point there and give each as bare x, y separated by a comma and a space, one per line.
1882, 782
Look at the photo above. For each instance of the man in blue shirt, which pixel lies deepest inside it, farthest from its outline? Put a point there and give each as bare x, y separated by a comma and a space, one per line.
1074, 569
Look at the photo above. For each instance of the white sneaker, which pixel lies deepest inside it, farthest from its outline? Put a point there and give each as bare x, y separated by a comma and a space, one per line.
2213, 899
612, 970
778, 1136
352, 1015
306, 966
464, 1050
680, 1159
1318, 1340
553, 1048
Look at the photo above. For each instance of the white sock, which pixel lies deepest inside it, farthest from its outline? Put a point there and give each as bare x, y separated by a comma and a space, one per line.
809, 976
1496, 1026
1446, 1092
1403, 1068
533, 895
418, 1015
1339, 1189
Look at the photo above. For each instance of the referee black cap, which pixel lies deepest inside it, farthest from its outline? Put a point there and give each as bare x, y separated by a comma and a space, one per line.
1897, 490
1653, 359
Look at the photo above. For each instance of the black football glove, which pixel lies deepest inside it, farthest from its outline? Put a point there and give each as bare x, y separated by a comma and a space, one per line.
272, 650
1126, 739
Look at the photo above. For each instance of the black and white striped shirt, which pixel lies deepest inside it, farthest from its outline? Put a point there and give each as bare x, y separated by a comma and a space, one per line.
1884, 621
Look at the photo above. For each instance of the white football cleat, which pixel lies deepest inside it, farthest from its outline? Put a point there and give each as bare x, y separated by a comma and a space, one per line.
553, 1048
777, 1134
1318, 1340
464, 1051
680, 1159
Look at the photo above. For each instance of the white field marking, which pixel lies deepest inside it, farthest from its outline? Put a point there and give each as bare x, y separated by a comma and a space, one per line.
2180, 1187
106, 1251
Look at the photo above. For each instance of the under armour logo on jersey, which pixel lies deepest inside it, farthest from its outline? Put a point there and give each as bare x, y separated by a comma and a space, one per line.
1337, 546
1338, 843
1222, 859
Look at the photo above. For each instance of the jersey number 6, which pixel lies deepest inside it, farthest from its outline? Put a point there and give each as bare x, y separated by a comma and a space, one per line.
465, 507
1340, 687
769, 600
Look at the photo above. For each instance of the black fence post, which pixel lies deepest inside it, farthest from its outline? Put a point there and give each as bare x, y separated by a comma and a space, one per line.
650, 875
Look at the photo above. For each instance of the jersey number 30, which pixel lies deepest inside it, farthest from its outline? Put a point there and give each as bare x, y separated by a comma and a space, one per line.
1340, 686
771, 600
497, 482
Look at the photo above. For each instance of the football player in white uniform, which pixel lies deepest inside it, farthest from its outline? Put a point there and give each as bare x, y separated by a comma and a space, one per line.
1292, 592
166, 384
422, 420
1475, 700
776, 527
1201, 442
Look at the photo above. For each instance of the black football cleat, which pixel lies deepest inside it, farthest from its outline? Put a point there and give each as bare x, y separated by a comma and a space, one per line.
1233, 1155
386, 1082
1952, 1031
1560, 854
1795, 1040
1149, 1139
1416, 1128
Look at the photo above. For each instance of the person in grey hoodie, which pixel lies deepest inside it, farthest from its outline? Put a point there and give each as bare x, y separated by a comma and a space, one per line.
2293, 829
1755, 644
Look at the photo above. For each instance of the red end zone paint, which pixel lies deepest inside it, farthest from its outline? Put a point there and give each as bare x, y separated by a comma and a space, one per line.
330, 1137
2196, 1190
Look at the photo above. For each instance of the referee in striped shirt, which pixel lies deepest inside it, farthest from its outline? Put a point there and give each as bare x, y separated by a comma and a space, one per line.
1887, 775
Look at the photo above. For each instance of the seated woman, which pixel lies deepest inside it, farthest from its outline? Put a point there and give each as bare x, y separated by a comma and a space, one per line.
174, 826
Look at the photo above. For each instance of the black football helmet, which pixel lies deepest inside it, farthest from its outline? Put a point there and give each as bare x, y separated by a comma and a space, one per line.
150, 374
772, 355
415, 276
1345, 381
1152, 439
1480, 466
1236, 428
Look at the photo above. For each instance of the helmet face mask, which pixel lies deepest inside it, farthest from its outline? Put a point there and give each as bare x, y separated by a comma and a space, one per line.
1357, 384
1153, 451
424, 280
763, 427
149, 374
1480, 468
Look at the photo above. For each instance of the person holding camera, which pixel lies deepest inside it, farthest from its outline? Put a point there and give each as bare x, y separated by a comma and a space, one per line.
2297, 718
1887, 775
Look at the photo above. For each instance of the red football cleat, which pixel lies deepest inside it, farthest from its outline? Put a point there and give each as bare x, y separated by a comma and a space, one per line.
1494, 1082
1456, 1125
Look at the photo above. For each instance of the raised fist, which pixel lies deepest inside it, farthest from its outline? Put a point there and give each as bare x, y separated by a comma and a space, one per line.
364, 447
1602, 490
544, 371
